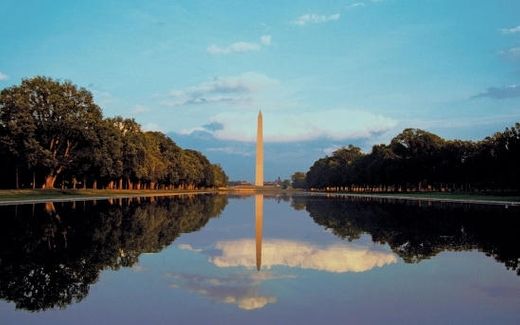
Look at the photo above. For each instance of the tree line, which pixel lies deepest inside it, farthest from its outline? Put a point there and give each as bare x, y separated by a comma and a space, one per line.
52, 133
417, 160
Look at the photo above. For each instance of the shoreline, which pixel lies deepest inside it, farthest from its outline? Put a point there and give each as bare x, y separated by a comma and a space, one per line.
19, 197
422, 198
459, 198
39, 196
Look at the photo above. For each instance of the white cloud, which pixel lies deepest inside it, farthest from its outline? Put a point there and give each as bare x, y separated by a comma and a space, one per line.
188, 247
138, 268
103, 98
265, 40
329, 150
3, 76
355, 5
193, 130
512, 30
292, 125
510, 91
315, 19
229, 89
231, 151
362, 4
152, 127
240, 47
334, 258
140, 109
512, 53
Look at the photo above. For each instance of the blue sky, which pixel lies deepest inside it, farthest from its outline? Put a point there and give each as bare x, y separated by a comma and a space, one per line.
324, 73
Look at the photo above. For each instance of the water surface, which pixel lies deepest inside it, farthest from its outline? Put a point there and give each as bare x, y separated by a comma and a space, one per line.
258, 259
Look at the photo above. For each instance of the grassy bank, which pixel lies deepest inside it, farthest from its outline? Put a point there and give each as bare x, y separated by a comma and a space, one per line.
15, 196
29, 196
512, 199
463, 196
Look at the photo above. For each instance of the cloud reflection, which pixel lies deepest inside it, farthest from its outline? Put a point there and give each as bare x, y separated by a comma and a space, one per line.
239, 289
243, 289
334, 258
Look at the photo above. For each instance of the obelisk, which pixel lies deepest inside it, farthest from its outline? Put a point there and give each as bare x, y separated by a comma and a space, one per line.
259, 179
259, 224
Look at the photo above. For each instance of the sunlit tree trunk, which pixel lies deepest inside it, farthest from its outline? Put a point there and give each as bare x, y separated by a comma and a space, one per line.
49, 181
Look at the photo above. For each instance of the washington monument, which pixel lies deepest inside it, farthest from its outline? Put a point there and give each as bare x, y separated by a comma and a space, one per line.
259, 179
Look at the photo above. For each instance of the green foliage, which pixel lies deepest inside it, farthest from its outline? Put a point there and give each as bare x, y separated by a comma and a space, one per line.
53, 132
219, 177
417, 160
335, 170
45, 122
298, 180
285, 184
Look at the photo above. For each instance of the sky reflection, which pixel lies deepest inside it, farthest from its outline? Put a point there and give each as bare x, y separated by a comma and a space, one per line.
331, 260
242, 287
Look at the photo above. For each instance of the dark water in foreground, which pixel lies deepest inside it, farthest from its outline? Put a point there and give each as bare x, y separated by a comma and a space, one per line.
220, 259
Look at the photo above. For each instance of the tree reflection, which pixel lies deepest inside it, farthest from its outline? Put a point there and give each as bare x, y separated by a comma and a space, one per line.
51, 254
417, 231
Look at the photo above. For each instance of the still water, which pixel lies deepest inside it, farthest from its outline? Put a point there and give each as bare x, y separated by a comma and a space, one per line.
214, 259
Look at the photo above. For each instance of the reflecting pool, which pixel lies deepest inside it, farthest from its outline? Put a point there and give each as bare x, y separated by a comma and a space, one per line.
214, 259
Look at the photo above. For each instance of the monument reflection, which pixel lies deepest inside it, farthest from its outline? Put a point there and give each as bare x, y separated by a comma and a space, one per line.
259, 218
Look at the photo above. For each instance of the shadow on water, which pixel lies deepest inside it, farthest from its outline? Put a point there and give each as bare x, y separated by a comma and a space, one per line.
416, 230
50, 254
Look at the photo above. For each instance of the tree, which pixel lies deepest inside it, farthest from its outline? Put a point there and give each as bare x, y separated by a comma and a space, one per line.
219, 177
102, 159
285, 184
155, 165
45, 122
133, 149
418, 153
55, 130
336, 170
417, 160
298, 180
